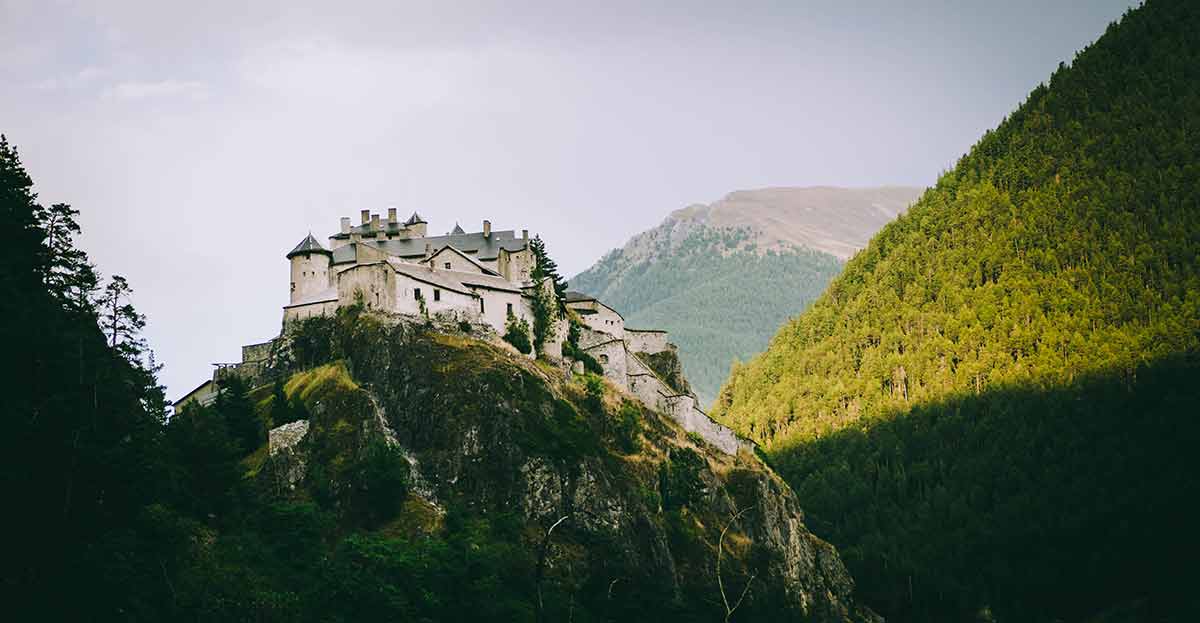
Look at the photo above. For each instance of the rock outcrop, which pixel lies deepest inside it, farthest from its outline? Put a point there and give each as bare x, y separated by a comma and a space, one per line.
625, 508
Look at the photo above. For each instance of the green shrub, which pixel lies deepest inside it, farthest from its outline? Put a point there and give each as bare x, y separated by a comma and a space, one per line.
629, 428
381, 483
516, 332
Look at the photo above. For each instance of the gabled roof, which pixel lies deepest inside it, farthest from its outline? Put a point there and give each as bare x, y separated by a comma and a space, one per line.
453, 280
308, 245
414, 219
484, 269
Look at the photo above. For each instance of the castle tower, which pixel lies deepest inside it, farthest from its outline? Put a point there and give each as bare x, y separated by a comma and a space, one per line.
310, 269
416, 225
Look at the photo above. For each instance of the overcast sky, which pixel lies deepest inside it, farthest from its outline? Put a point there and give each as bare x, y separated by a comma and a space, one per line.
202, 141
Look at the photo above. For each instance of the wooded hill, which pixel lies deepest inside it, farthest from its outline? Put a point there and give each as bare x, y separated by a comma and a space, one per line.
989, 412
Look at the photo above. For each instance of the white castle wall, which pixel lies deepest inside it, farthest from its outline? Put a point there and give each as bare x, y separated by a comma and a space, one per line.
310, 275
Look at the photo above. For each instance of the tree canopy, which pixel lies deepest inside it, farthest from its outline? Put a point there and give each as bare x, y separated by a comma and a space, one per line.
956, 382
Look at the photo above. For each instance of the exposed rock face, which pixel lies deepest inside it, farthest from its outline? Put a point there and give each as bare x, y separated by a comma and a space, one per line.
637, 515
666, 365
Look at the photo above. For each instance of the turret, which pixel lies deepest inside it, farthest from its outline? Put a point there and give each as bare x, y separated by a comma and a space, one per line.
310, 269
416, 225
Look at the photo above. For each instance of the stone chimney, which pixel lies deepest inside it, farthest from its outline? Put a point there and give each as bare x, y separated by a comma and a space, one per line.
391, 216
345, 225
366, 216
487, 228
525, 235
374, 222
429, 251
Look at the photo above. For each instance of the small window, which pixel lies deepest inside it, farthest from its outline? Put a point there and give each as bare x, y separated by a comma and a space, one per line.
481, 304
509, 310
447, 265
437, 294
604, 359
417, 293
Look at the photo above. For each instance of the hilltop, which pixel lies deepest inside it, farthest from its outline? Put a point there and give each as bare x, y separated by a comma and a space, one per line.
441, 477
988, 411
721, 277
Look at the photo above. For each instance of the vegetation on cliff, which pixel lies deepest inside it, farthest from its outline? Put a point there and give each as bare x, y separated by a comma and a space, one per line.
989, 410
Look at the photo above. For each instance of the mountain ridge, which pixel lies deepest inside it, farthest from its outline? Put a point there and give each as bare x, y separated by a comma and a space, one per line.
721, 276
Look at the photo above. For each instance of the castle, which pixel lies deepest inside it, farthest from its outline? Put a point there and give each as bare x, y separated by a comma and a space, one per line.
483, 277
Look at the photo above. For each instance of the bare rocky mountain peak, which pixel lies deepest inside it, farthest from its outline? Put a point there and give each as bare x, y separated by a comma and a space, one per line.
837, 221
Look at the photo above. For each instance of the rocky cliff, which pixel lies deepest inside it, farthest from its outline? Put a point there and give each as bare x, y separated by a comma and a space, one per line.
621, 515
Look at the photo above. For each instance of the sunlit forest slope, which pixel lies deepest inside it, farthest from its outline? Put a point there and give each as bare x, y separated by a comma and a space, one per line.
991, 412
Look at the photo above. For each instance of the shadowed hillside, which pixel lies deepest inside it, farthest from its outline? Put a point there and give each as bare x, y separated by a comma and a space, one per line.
1062, 247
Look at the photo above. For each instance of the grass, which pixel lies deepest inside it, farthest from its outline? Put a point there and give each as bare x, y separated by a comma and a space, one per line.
312, 385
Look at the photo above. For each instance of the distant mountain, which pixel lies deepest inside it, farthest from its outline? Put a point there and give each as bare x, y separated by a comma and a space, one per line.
992, 411
721, 277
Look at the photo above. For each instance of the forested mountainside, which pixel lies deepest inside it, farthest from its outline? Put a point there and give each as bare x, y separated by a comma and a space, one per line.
991, 411
384, 471
722, 277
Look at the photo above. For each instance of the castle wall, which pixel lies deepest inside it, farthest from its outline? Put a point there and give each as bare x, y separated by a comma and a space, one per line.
300, 312
611, 357
516, 266
495, 307
599, 317
376, 282
643, 341
455, 261
310, 275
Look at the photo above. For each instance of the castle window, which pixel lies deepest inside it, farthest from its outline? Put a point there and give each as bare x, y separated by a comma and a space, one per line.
509, 310
603, 359
417, 293
481, 304
447, 265
437, 294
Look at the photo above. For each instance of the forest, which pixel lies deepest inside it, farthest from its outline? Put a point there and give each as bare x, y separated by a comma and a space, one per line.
715, 292
989, 411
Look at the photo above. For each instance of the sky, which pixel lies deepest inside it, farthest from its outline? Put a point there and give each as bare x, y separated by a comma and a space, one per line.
201, 141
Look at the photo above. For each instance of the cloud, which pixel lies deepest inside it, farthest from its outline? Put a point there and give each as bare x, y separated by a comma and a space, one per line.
139, 90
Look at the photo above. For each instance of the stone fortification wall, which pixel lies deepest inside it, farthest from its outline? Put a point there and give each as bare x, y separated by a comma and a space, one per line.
300, 312
646, 341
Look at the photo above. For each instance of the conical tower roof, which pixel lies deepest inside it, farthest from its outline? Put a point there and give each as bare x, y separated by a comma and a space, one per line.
308, 245
458, 231
414, 219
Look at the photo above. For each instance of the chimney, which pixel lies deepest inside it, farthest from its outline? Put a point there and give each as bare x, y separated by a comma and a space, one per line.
487, 228
366, 216
429, 251
374, 222
391, 216
345, 224
525, 235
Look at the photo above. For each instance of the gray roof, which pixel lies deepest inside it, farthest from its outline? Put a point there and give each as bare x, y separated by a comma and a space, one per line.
414, 219
308, 245
454, 280
476, 245
458, 230
473, 261
571, 296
